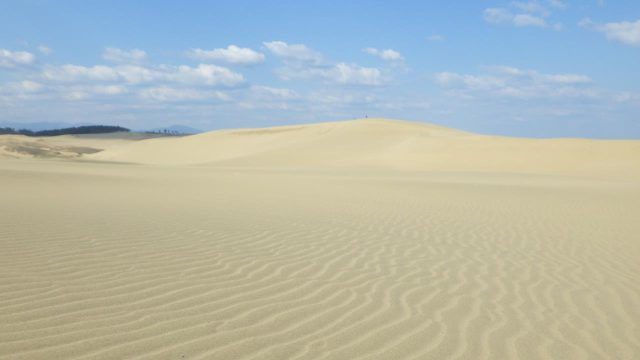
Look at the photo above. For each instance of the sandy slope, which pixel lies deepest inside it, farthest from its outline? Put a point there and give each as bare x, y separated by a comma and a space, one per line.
64, 146
386, 144
335, 257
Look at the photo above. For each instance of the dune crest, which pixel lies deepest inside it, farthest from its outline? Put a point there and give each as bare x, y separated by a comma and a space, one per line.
385, 144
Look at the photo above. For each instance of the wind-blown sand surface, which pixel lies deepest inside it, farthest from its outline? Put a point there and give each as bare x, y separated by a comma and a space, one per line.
64, 146
364, 239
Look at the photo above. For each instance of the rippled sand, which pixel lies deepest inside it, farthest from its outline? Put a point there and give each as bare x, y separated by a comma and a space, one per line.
171, 261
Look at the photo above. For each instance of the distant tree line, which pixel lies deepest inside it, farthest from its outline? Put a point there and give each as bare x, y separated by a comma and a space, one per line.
90, 129
165, 132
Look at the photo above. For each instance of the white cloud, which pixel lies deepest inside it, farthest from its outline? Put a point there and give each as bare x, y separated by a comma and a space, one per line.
83, 92
170, 94
294, 52
28, 89
524, 13
627, 97
531, 7
504, 81
353, 74
71, 73
30, 86
626, 32
342, 99
11, 59
45, 50
302, 62
386, 54
528, 20
21, 88
435, 37
566, 78
124, 56
203, 74
207, 74
109, 89
266, 97
497, 15
271, 93
341, 73
504, 16
135, 74
232, 54
472, 82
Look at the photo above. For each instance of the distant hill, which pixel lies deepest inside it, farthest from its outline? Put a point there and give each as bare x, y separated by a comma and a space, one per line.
90, 129
176, 129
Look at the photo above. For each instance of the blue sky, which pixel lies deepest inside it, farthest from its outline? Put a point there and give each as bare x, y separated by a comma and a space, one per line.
526, 68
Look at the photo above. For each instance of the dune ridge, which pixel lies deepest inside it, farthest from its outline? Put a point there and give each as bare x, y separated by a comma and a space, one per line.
384, 144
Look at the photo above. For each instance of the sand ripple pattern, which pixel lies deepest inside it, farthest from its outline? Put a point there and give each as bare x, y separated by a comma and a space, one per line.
204, 264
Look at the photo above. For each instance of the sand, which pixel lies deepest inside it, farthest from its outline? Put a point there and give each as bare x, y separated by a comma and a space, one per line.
65, 146
368, 239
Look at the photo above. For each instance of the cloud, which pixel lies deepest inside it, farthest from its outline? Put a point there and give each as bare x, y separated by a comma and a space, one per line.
171, 94
12, 59
386, 54
30, 86
435, 37
207, 74
71, 72
45, 50
342, 99
531, 7
626, 32
124, 56
528, 20
504, 16
267, 97
341, 73
203, 74
566, 78
272, 93
302, 62
96, 83
524, 13
81, 92
232, 55
355, 75
510, 82
294, 52
21, 87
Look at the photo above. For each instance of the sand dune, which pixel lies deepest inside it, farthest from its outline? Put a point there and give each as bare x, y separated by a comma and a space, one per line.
386, 144
371, 239
63, 146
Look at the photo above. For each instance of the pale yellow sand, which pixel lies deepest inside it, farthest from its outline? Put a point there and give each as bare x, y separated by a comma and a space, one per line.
64, 146
332, 241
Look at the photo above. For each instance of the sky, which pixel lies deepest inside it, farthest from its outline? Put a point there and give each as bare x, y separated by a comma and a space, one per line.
540, 68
